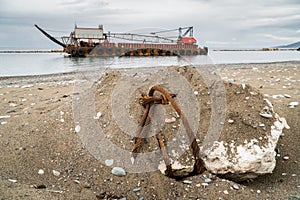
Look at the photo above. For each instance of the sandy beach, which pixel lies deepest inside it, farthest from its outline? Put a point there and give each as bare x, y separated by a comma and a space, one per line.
42, 156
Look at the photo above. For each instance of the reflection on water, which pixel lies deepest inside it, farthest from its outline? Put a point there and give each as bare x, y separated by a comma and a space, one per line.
14, 64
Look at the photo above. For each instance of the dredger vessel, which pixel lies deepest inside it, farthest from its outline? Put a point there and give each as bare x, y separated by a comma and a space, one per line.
84, 42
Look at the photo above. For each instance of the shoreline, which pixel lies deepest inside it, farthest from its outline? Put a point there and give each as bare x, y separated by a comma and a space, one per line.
9, 80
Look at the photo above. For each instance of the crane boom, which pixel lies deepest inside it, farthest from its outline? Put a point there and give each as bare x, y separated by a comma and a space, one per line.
139, 37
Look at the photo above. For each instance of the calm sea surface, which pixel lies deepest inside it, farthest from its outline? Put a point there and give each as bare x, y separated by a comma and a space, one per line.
17, 64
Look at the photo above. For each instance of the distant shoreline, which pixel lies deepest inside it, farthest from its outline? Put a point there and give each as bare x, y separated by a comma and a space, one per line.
32, 51
61, 51
263, 49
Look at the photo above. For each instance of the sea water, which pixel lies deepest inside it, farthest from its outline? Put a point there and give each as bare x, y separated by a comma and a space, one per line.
20, 64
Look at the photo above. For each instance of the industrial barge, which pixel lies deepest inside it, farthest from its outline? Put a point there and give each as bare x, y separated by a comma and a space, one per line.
84, 42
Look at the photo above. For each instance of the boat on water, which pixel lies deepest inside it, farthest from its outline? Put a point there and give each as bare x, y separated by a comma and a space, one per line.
84, 42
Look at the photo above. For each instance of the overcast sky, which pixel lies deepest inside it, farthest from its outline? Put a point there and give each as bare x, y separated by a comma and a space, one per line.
217, 23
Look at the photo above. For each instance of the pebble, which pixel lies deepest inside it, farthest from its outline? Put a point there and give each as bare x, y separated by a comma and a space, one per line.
285, 157
118, 171
10, 111
87, 185
225, 192
293, 104
258, 191
2, 123
13, 104
12, 180
204, 184
98, 115
55, 173
294, 197
77, 129
230, 121
136, 189
40, 172
5, 117
76, 181
170, 120
187, 182
109, 162
207, 180
196, 93
287, 96
54, 100
235, 186
243, 86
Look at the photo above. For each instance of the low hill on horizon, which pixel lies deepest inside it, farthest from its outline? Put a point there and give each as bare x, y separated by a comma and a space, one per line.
293, 45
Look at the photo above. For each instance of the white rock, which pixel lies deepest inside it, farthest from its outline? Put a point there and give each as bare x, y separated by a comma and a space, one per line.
41, 172
287, 96
285, 158
118, 171
196, 93
5, 117
242, 161
13, 104
235, 186
98, 115
55, 173
243, 86
109, 162
132, 160
77, 129
170, 120
12, 180
293, 104
230, 121
204, 184
187, 182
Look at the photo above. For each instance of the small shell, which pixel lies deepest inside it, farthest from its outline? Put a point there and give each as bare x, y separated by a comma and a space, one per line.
266, 115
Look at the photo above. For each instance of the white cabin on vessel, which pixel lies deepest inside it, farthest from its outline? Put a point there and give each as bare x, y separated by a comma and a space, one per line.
90, 34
